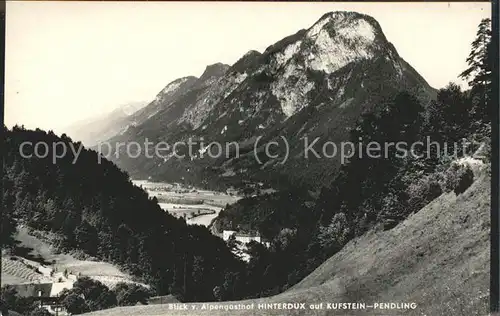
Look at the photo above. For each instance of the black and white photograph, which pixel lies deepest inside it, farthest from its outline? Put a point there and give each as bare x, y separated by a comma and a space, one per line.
249, 158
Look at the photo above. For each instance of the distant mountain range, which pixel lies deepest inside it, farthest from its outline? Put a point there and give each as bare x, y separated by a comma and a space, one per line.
98, 129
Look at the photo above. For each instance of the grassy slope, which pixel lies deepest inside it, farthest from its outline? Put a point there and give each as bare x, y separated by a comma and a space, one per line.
437, 258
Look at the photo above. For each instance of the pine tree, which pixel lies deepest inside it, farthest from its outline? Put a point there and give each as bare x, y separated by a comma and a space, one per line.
479, 73
480, 57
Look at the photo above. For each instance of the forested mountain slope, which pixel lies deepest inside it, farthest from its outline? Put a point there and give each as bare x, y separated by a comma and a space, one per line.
95, 208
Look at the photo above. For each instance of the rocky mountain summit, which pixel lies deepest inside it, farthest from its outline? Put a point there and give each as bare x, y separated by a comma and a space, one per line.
313, 84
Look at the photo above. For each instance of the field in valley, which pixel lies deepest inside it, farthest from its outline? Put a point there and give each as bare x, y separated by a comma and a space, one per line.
199, 207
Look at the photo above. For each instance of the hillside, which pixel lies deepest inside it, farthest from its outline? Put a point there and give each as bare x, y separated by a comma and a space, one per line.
312, 84
93, 208
42, 251
437, 258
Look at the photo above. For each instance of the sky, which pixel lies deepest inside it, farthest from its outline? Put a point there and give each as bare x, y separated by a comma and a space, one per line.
70, 61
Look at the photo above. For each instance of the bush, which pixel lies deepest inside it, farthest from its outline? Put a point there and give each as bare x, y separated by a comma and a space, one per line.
129, 294
423, 192
458, 178
75, 304
335, 235
95, 296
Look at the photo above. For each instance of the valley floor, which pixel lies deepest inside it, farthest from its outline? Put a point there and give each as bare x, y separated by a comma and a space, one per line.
199, 207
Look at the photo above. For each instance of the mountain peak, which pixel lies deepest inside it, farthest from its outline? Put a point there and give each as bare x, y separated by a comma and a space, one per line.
339, 38
335, 40
249, 61
252, 52
345, 18
214, 70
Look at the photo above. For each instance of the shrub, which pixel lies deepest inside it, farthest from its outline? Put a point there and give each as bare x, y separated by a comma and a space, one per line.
458, 178
96, 295
335, 235
129, 294
75, 304
465, 181
423, 192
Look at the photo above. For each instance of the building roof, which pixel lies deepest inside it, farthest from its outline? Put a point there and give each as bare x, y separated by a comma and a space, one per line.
240, 234
246, 235
58, 287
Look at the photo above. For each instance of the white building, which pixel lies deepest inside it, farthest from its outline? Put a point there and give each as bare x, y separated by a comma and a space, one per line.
243, 238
